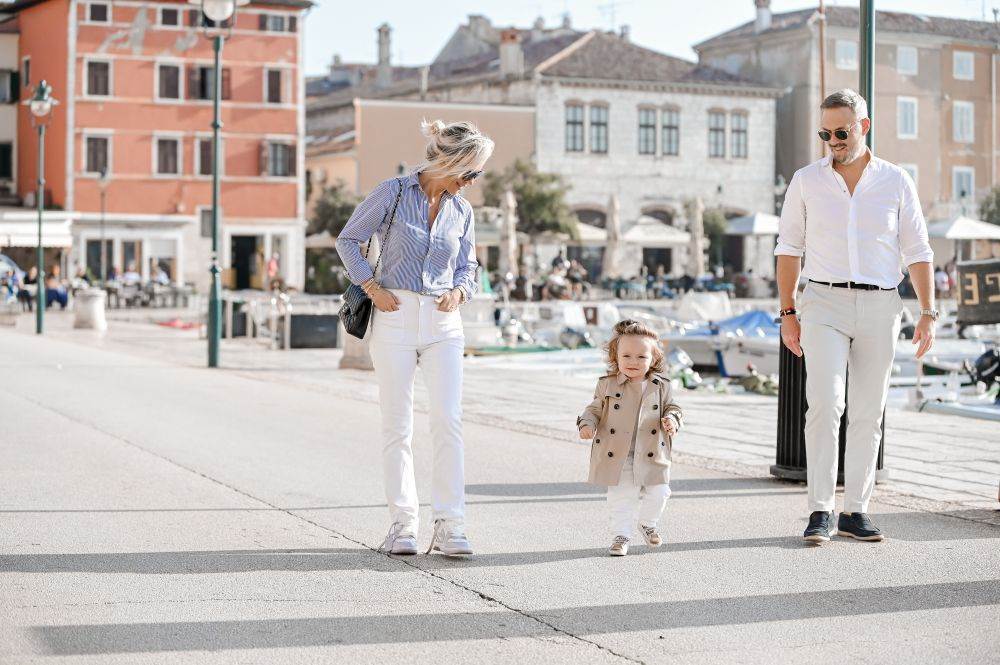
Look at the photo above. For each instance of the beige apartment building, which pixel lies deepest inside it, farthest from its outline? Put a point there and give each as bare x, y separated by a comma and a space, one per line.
936, 80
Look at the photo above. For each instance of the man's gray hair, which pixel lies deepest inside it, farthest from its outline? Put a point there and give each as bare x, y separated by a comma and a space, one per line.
847, 98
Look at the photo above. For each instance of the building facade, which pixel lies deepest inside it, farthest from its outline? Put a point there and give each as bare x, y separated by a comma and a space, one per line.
135, 84
614, 119
935, 110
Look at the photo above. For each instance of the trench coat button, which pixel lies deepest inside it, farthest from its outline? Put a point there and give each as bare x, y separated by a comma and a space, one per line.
597, 440
618, 394
612, 430
649, 454
610, 454
655, 407
656, 381
617, 406
663, 443
652, 431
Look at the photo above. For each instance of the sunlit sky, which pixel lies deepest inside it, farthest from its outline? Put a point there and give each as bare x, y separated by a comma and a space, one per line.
420, 29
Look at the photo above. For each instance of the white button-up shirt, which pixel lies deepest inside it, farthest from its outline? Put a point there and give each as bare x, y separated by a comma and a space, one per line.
859, 238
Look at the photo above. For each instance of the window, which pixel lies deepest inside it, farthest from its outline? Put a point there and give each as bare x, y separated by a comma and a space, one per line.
170, 16
906, 117
964, 66
205, 217
169, 82
203, 156
574, 128
97, 154
740, 127
671, 132
963, 182
963, 114
599, 129
912, 170
10, 86
98, 78
280, 159
168, 156
200, 82
906, 60
716, 134
272, 86
98, 12
277, 23
647, 131
26, 72
6, 161
846, 54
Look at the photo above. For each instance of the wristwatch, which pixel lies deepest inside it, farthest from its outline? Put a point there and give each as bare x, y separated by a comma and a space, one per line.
933, 313
786, 312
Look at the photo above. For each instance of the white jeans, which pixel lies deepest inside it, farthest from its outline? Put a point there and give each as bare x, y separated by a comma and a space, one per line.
849, 341
418, 334
628, 501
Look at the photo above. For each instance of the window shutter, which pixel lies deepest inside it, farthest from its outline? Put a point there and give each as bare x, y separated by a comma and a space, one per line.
194, 17
227, 92
292, 160
193, 82
262, 22
292, 23
264, 166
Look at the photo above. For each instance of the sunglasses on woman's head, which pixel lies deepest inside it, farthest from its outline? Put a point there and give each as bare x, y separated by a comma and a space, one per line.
469, 176
841, 134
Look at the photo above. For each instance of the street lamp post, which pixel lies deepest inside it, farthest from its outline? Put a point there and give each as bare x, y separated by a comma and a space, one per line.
218, 11
103, 182
40, 106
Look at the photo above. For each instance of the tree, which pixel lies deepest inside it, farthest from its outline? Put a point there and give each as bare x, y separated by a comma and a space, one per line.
332, 210
541, 202
989, 210
715, 226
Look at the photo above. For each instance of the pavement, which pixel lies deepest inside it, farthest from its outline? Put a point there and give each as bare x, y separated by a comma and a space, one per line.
155, 511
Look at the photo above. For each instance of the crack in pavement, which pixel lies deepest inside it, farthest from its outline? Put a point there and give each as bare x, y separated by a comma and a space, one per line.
484, 596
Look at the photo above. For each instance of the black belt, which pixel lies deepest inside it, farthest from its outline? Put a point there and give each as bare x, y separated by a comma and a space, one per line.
853, 285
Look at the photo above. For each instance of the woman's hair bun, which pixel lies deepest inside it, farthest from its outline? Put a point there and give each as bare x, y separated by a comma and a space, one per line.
432, 128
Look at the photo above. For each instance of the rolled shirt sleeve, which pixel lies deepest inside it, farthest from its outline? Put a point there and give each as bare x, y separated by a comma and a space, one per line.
362, 225
913, 243
466, 265
792, 224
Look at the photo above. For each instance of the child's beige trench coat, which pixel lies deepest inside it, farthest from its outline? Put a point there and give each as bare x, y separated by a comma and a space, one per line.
612, 415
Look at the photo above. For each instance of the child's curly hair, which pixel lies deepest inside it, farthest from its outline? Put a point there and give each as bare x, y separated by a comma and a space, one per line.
631, 327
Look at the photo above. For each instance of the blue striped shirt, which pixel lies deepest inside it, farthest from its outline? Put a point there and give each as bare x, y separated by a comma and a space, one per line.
429, 261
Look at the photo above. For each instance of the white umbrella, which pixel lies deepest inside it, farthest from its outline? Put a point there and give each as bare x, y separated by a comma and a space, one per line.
962, 228
696, 253
651, 232
610, 266
591, 235
508, 235
321, 240
757, 224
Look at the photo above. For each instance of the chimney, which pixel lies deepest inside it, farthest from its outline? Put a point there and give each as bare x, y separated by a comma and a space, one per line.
383, 73
480, 25
625, 33
425, 73
763, 21
566, 22
538, 28
511, 53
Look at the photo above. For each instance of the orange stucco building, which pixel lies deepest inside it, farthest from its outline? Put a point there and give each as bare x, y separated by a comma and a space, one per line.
134, 80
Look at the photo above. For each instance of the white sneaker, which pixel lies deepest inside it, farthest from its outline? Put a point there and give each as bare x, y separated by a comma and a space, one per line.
449, 538
400, 540
619, 547
651, 535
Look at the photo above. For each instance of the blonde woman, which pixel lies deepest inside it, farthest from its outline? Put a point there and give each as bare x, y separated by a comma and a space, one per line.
427, 271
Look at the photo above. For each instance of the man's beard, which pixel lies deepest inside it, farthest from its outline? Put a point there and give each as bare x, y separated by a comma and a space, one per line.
848, 157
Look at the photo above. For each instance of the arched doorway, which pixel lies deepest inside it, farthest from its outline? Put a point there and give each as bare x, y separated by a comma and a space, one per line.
589, 256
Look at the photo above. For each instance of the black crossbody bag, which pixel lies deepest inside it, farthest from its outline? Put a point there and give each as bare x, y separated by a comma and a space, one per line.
356, 312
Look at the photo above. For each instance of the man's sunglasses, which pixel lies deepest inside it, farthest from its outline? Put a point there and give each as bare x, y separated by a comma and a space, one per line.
469, 176
841, 134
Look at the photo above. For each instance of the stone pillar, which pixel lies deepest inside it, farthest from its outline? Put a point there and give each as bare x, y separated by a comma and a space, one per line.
89, 307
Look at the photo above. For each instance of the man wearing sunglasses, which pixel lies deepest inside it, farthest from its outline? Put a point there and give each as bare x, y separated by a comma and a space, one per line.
856, 219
